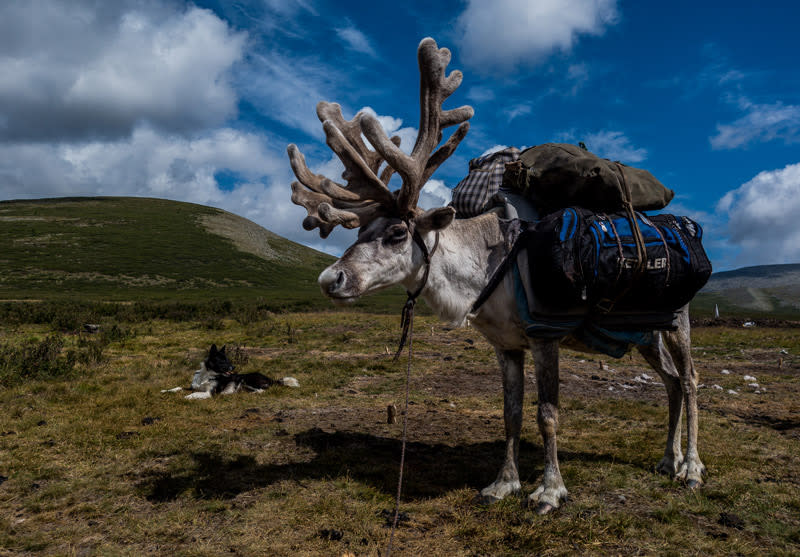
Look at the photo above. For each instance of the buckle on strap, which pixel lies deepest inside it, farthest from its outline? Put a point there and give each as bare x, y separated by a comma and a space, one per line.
605, 305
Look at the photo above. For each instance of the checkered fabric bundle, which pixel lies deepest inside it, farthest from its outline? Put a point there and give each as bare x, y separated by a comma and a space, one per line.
483, 181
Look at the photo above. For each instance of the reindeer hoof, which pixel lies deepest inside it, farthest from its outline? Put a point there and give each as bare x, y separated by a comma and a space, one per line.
544, 508
481, 499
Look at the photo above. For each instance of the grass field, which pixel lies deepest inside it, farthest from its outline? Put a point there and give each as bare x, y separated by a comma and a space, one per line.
95, 460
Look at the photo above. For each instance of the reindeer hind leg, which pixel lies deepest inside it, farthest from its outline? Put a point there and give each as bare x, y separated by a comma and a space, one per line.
552, 491
658, 357
679, 345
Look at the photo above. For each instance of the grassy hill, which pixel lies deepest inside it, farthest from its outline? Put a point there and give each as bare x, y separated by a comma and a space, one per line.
762, 291
123, 249
135, 249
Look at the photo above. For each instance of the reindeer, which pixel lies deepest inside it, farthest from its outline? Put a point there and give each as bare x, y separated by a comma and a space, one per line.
449, 261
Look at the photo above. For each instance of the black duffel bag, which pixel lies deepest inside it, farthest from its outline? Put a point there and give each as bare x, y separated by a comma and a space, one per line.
579, 258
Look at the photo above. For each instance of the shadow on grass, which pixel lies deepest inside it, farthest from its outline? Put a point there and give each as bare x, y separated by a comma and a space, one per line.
431, 469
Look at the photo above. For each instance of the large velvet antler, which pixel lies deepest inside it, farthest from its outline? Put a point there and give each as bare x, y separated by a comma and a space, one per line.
435, 87
366, 195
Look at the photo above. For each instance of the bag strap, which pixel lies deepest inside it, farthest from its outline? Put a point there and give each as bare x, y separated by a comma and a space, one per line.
606, 305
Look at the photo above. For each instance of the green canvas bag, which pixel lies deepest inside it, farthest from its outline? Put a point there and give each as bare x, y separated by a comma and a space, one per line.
558, 175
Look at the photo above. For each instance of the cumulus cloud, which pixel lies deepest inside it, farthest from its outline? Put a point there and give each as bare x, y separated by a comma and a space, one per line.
151, 163
760, 123
496, 37
435, 194
493, 149
140, 98
80, 71
762, 217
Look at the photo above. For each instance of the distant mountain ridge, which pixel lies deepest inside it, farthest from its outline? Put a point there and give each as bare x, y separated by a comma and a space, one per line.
762, 276
758, 291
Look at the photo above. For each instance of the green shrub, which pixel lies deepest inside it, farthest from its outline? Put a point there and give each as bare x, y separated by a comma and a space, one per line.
35, 359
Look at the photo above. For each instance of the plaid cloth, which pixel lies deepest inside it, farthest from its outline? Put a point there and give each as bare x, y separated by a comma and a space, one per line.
483, 181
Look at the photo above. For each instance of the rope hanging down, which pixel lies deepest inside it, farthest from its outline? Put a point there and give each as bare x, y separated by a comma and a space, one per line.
407, 324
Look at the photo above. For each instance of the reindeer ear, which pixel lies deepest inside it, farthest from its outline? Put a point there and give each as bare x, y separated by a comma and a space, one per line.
435, 219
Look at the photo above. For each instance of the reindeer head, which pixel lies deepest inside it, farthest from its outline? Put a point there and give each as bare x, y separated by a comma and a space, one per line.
391, 244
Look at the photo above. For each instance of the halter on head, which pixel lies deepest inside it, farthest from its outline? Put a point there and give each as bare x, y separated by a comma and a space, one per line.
408, 308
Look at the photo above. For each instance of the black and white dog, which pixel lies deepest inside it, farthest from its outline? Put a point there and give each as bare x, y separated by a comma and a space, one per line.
216, 376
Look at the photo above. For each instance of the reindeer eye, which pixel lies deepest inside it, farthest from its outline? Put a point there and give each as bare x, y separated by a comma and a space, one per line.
396, 234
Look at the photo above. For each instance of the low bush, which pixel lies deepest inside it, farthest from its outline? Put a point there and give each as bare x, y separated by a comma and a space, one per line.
36, 359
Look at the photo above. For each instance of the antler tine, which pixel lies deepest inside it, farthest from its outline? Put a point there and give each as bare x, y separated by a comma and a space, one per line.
435, 87
361, 179
352, 218
311, 201
361, 164
301, 170
351, 131
328, 204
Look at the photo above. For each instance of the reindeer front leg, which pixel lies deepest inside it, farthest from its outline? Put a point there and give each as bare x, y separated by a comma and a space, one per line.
551, 491
512, 364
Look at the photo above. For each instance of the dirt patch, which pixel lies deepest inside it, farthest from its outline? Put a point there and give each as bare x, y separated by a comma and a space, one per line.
246, 235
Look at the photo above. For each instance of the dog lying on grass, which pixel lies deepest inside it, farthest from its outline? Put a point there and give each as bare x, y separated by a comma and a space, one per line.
216, 376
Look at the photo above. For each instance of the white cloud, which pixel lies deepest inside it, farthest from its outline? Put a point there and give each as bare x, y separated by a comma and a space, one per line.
481, 94
762, 217
493, 149
522, 109
609, 144
287, 89
153, 164
760, 123
356, 41
496, 37
289, 8
80, 73
577, 77
616, 146
435, 194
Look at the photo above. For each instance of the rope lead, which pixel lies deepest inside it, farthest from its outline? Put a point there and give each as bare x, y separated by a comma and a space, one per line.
407, 324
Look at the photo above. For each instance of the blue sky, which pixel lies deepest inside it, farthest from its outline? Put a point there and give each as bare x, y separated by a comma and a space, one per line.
197, 101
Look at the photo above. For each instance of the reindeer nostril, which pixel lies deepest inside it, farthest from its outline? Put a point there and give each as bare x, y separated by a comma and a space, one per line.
338, 283
333, 282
